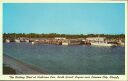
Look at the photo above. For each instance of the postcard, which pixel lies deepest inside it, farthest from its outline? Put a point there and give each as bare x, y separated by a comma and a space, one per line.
64, 40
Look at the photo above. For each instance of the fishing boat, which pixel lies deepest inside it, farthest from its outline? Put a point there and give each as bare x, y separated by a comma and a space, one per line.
99, 41
102, 44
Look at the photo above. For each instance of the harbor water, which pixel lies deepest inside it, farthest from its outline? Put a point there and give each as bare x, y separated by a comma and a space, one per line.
72, 59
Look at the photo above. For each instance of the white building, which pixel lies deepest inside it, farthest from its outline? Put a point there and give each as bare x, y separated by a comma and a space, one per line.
96, 39
70, 42
60, 38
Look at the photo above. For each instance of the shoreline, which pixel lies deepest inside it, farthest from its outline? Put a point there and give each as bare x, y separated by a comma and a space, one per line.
32, 43
8, 70
20, 67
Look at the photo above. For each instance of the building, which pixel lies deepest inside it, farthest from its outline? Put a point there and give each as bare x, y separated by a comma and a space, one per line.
74, 42
60, 38
71, 42
96, 39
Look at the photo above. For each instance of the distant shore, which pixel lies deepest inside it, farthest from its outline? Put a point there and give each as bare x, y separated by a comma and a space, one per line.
19, 67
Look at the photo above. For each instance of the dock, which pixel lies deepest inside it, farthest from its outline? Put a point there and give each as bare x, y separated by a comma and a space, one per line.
98, 41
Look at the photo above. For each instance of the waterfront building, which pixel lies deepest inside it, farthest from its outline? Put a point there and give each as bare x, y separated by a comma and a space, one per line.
74, 42
81, 39
60, 38
96, 39
71, 42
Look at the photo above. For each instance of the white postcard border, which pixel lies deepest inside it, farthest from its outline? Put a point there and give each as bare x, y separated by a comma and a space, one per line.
8, 77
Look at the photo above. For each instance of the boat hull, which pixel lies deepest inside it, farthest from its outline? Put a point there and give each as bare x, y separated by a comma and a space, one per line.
101, 44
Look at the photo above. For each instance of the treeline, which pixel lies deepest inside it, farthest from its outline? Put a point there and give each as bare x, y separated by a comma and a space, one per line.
52, 35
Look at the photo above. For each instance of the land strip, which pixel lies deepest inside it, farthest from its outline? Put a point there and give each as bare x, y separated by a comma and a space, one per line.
20, 67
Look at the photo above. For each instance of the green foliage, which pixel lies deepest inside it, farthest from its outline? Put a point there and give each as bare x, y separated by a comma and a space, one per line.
13, 36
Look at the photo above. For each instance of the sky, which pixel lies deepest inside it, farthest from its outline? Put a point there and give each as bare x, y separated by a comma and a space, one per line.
64, 18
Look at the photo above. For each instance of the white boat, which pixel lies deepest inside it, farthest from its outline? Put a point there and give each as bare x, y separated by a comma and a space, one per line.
64, 43
27, 41
17, 41
102, 44
33, 42
99, 41
7, 41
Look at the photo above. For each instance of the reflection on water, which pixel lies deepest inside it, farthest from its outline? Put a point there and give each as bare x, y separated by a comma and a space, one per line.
75, 59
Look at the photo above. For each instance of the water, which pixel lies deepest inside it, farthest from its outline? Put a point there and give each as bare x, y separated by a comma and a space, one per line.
75, 59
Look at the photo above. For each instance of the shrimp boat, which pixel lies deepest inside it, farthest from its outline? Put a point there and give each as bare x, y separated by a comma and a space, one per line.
102, 44
99, 41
